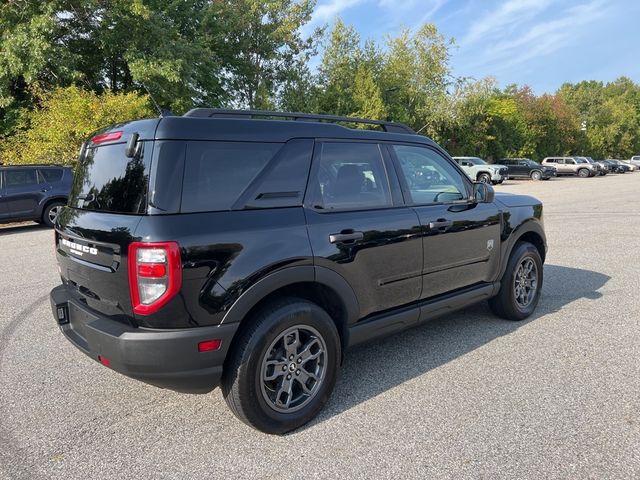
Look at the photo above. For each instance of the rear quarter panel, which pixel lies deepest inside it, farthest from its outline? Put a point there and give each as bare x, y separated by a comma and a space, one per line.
223, 254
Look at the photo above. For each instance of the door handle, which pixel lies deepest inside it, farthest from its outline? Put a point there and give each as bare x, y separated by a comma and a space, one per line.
440, 224
346, 236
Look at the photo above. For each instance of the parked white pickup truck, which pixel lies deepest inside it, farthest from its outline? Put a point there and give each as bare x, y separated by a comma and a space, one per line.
479, 170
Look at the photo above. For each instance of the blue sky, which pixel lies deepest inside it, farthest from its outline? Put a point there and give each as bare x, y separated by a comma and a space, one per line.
540, 43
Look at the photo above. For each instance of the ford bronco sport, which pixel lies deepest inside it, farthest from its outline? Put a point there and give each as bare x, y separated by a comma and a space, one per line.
249, 250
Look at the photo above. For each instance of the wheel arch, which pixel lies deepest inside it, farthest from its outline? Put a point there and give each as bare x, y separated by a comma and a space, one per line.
43, 206
530, 231
482, 172
319, 285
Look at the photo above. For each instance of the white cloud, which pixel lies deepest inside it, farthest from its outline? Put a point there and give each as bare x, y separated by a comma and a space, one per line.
327, 10
507, 16
517, 35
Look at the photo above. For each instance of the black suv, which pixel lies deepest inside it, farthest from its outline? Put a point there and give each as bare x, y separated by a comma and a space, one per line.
241, 250
527, 168
33, 192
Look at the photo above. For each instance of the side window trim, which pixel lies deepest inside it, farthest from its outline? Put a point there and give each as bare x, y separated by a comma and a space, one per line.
406, 191
312, 194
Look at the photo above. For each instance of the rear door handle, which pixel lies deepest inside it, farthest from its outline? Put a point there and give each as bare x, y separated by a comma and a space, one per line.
346, 236
440, 224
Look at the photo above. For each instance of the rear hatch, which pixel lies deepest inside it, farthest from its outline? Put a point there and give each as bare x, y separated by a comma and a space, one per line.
107, 201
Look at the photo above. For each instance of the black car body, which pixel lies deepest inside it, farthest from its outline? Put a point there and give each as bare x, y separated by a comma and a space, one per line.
33, 192
217, 217
617, 166
527, 168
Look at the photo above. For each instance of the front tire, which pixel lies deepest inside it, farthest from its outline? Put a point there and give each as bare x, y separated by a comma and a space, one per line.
283, 368
584, 173
536, 175
520, 285
484, 178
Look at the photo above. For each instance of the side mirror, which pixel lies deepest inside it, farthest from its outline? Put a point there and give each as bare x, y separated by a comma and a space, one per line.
483, 193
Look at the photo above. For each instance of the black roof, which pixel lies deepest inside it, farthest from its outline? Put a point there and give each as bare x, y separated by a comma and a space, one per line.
263, 126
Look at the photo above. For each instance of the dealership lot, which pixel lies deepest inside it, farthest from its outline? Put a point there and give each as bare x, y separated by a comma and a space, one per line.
466, 396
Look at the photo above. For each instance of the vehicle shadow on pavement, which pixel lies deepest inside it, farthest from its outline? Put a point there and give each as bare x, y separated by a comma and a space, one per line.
21, 228
370, 370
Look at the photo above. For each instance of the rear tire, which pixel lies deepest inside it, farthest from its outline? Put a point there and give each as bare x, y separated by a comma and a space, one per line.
51, 212
283, 367
521, 284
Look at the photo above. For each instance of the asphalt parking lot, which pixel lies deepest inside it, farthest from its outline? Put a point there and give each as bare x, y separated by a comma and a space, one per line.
466, 396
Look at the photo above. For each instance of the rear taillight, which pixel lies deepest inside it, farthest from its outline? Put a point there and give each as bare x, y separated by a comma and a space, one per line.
155, 275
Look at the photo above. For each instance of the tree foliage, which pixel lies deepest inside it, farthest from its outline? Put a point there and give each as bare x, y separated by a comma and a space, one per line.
54, 132
88, 61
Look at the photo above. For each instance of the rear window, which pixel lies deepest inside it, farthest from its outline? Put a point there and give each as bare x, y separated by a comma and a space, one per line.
51, 174
107, 180
216, 173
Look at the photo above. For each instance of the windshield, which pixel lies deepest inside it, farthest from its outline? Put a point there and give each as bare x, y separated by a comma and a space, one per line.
529, 162
477, 161
581, 160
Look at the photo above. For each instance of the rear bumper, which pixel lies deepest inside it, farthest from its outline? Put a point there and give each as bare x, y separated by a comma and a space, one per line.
164, 358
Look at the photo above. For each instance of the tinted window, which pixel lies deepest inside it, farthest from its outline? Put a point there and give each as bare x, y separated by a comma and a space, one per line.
283, 182
51, 174
570, 162
216, 173
429, 176
107, 180
20, 177
351, 176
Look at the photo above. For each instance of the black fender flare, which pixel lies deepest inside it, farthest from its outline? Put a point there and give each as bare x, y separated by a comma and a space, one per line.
531, 225
290, 276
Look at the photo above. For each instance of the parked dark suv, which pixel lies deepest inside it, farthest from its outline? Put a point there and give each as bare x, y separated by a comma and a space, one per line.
237, 249
33, 192
527, 168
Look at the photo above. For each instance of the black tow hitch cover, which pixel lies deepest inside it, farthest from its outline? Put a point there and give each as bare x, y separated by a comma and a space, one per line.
62, 313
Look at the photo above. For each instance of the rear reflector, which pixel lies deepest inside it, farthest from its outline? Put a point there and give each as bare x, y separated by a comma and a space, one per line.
151, 270
106, 137
105, 361
209, 345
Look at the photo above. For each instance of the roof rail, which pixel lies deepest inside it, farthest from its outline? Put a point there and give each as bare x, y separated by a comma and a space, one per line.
304, 117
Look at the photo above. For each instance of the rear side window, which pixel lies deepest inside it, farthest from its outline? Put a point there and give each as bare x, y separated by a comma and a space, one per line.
350, 176
107, 180
51, 174
20, 177
216, 173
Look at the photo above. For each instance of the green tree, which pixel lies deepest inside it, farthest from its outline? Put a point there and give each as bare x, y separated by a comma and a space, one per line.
366, 95
416, 75
261, 46
338, 70
54, 132
114, 44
